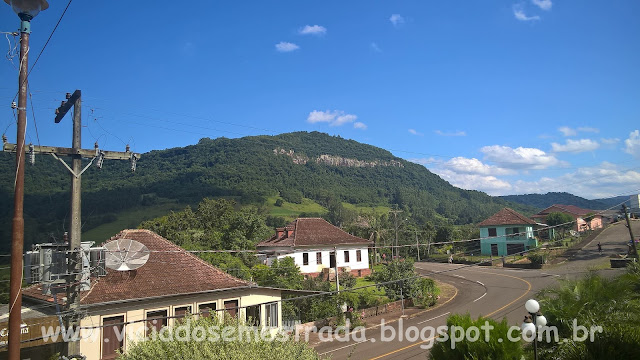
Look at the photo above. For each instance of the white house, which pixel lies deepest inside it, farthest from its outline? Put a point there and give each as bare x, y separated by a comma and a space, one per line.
315, 245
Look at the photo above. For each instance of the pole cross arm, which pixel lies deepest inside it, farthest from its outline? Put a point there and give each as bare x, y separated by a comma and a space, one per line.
85, 153
64, 108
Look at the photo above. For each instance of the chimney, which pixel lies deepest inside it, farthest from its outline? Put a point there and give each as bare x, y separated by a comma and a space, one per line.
279, 232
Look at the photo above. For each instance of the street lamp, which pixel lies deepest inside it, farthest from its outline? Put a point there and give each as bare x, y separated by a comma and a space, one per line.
532, 323
26, 10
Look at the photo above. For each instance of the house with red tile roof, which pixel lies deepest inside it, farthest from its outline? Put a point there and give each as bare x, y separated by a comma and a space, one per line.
506, 232
317, 247
124, 306
579, 214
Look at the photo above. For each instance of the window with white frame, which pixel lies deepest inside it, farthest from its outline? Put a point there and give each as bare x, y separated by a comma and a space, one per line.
271, 314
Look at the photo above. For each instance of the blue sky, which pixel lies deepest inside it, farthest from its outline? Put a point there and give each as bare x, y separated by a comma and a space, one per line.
506, 97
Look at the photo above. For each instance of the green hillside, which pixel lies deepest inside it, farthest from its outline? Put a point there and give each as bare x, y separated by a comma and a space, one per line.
543, 201
251, 170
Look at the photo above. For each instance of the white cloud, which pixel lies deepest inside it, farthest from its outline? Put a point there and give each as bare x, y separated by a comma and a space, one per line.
588, 129
610, 141
333, 118
489, 184
543, 4
284, 46
632, 144
567, 131
375, 47
396, 19
414, 132
462, 165
576, 146
359, 125
519, 158
313, 30
601, 181
425, 161
520, 15
457, 133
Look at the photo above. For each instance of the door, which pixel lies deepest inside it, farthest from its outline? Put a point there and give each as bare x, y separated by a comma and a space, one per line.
494, 249
332, 260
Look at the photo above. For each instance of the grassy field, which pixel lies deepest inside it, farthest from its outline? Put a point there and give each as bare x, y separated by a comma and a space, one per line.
129, 219
290, 210
376, 210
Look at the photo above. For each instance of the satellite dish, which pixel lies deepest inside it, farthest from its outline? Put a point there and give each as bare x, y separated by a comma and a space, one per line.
125, 255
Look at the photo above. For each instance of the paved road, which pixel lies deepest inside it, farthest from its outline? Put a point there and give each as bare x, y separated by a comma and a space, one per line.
493, 292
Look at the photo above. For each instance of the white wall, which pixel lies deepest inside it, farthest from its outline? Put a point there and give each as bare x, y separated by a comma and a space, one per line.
314, 267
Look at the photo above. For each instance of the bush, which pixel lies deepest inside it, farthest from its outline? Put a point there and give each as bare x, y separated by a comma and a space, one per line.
279, 202
249, 346
347, 280
425, 292
480, 349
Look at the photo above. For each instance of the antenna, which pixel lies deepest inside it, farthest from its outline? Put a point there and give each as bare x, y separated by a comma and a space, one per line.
125, 254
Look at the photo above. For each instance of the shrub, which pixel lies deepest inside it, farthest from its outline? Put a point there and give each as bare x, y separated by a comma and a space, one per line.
425, 292
480, 349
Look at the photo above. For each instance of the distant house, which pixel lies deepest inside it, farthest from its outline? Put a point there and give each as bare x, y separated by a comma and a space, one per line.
316, 245
172, 284
506, 232
579, 214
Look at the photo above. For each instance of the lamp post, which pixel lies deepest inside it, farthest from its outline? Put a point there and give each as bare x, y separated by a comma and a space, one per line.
532, 323
26, 10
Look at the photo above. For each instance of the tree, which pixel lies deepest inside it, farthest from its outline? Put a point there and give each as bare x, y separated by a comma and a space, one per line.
183, 342
389, 278
563, 220
594, 301
480, 349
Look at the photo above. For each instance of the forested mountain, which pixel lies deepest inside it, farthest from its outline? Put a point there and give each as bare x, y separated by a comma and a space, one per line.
543, 201
312, 165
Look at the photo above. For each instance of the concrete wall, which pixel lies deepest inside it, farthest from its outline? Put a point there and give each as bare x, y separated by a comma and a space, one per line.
135, 314
501, 239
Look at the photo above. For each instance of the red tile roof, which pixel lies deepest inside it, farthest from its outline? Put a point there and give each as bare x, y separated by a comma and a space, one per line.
507, 216
570, 209
311, 232
169, 271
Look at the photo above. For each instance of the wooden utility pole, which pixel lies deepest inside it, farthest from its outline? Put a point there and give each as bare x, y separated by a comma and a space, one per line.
335, 251
17, 235
417, 245
395, 215
633, 241
74, 268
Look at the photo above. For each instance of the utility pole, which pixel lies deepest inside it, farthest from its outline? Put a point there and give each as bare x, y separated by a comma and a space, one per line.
633, 241
17, 235
75, 283
417, 245
335, 251
395, 215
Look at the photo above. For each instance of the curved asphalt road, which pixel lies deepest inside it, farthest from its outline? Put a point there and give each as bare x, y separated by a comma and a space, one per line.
486, 291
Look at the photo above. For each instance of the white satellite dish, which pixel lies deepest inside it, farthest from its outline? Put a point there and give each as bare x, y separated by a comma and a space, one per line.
125, 255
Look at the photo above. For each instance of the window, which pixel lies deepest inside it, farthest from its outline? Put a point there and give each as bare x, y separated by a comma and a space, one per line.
206, 310
346, 256
181, 312
112, 336
319, 258
305, 258
232, 307
358, 255
493, 232
252, 315
271, 314
156, 320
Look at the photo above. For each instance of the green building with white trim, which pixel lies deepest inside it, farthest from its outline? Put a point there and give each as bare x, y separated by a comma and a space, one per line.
506, 232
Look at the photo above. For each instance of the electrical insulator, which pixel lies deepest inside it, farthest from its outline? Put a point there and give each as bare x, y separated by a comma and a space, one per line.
32, 154
100, 160
14, 105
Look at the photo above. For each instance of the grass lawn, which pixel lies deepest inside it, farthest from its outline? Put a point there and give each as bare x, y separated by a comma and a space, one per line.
290, 210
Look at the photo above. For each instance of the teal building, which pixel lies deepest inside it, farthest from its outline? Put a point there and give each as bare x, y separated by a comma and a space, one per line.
506, 232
